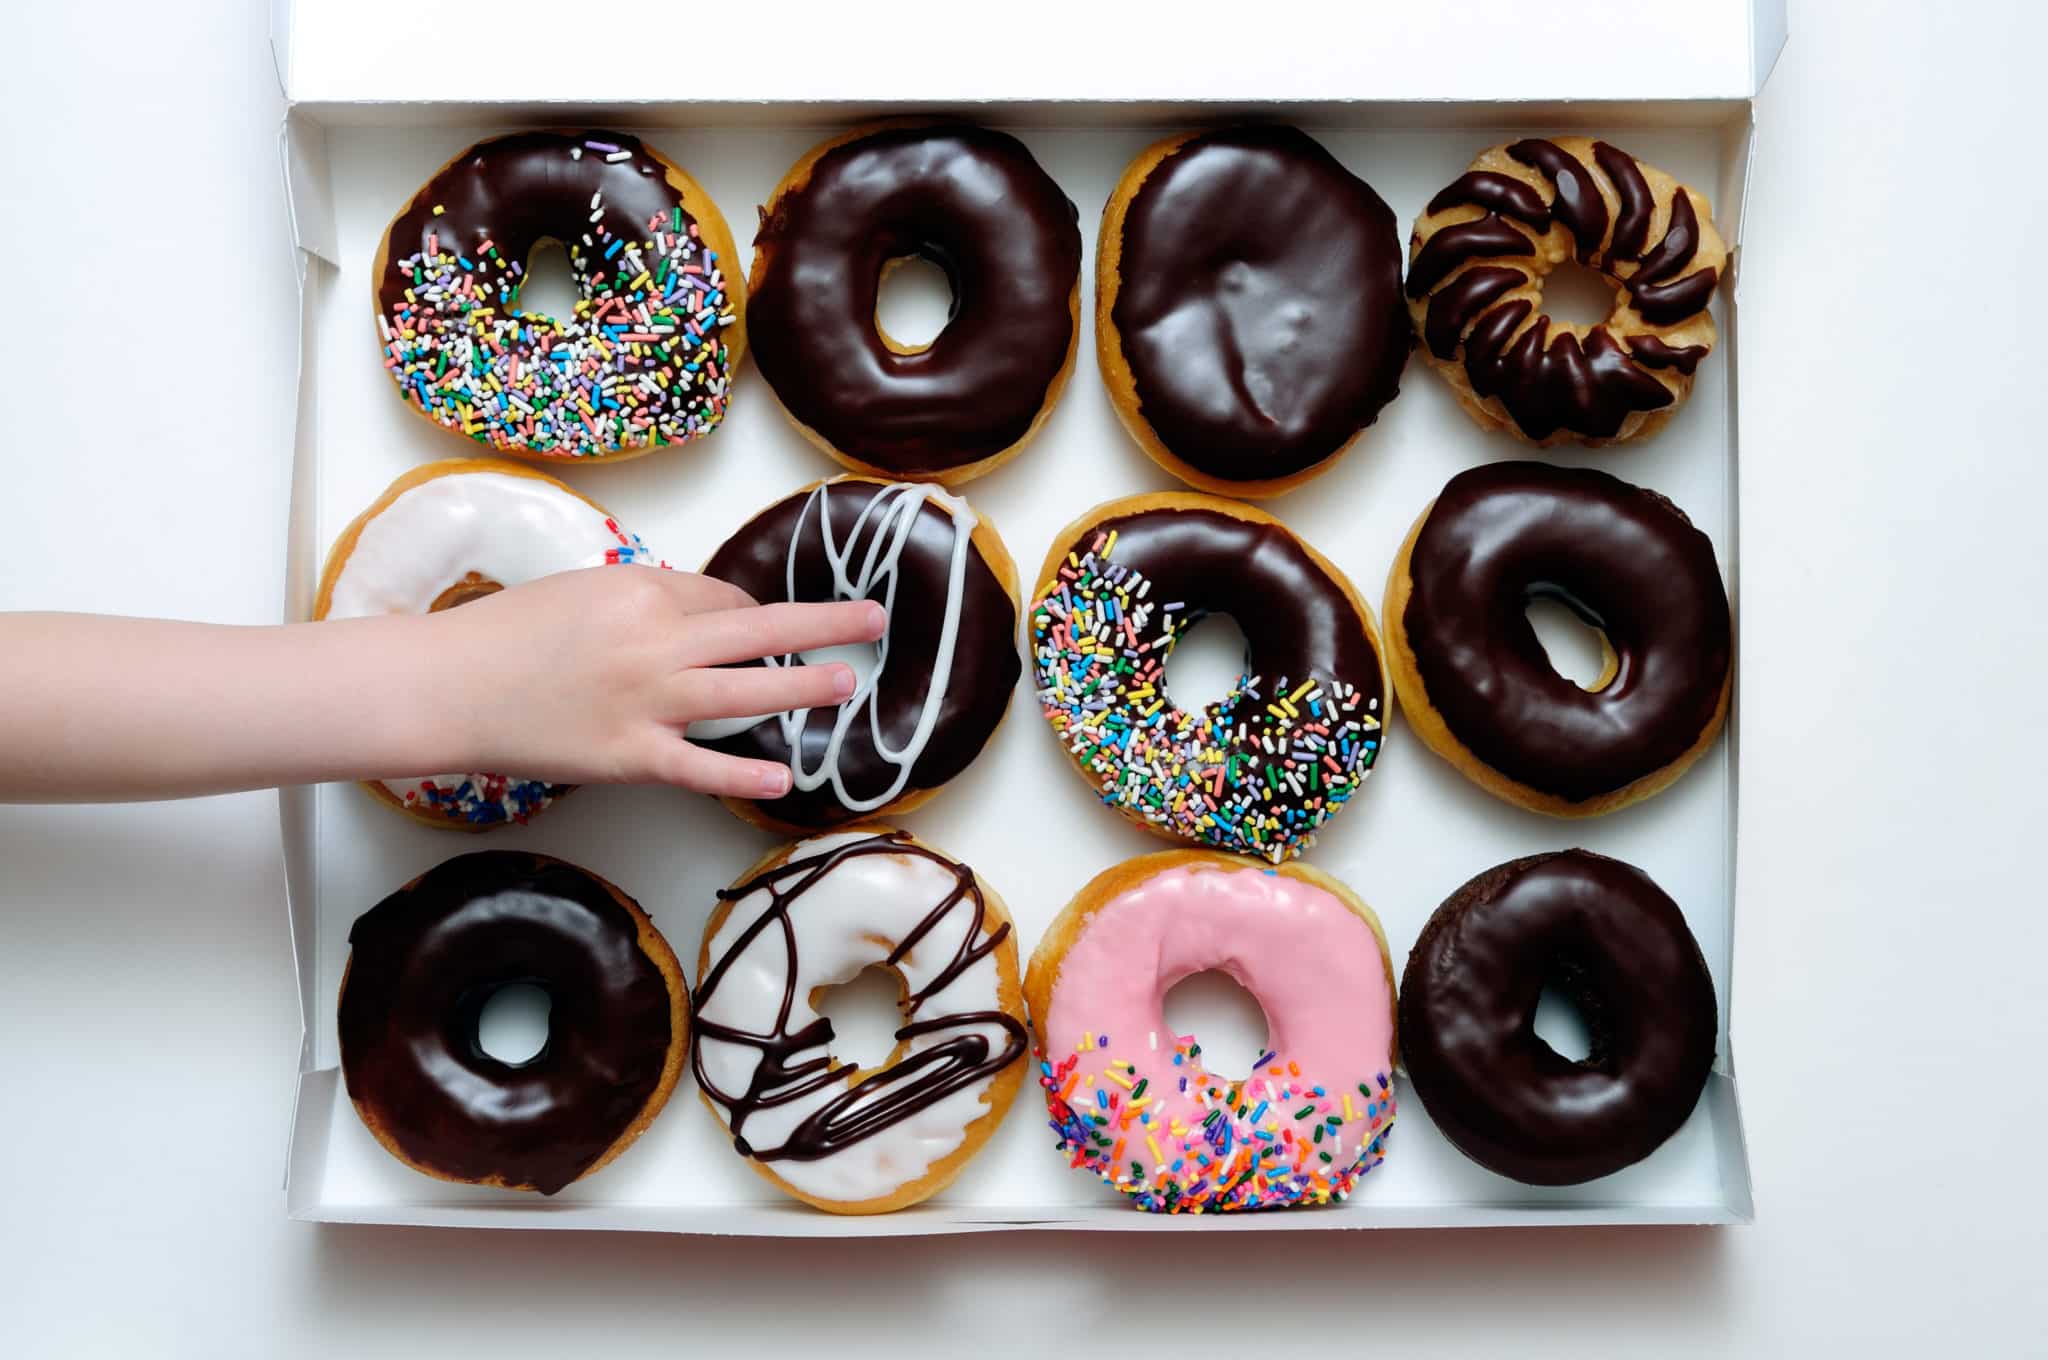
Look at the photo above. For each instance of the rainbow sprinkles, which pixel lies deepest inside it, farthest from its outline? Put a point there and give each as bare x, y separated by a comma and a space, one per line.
641, 362
1255, 773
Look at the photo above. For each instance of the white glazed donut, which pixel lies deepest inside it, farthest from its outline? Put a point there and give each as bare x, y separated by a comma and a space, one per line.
448, 533
811, 916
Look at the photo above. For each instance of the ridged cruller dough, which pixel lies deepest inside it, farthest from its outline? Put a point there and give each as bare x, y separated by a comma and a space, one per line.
951, 478
989, 544
1083, 526
1556, 246
1428, 723
655, 946
1003, 1086
711, 227
1116, 369
344, 545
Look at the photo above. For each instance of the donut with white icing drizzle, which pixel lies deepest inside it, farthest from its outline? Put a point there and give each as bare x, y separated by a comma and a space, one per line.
809, 917
448, 533
938, 682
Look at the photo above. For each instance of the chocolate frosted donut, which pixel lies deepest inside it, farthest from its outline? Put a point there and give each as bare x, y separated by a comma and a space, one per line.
1257, 772
1600, 931
646, 358
1480, 252
974, 203
1473, 676
425, 960
1248, 313
944, 670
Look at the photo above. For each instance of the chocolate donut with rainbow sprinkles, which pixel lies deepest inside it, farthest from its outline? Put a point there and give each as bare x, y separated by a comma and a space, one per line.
646, 358
1481, 251
1258, 771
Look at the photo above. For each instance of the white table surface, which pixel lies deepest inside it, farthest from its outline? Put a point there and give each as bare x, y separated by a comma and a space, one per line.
1890, 1033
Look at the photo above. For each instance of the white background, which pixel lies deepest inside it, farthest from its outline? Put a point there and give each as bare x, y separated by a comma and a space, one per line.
1889, 1032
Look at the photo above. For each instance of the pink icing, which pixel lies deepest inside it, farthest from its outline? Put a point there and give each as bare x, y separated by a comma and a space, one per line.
1315, 968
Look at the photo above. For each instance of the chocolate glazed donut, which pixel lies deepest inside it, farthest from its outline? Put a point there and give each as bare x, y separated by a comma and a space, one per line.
1249, 320
951, 644
1479, 254
1600, 931
423, 962
974, 203
1474, 678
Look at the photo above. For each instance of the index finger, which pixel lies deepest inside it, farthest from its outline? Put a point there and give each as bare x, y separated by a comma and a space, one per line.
778, 629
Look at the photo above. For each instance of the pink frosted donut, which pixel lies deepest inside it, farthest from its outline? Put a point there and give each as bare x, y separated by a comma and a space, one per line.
1133, 1103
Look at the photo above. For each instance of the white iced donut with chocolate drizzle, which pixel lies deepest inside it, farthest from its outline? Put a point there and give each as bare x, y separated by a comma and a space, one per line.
448, 533
937, 684
809, 917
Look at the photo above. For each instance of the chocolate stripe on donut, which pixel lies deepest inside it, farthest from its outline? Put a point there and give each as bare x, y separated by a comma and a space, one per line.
1578, 203
1551, 384
1451, 310
1666, 304
1651, 352
1481, 238
1675, 251
1503, 194
882, 1098
1632, 224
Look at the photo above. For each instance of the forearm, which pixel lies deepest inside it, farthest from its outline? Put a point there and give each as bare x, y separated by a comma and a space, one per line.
97, 709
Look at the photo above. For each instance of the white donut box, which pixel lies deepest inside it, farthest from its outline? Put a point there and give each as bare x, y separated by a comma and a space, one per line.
1404, 96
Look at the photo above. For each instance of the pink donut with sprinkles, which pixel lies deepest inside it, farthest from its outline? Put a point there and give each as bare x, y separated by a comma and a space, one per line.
1135, 1105
646, 358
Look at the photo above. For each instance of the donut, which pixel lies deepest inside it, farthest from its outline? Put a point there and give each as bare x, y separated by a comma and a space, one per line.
1134, 1104
442, 535
1600, 931
941, 676
422, 964
1474, 679
813, 915
1258, 771
646, 360
1477, 260
974, 203
1248, 313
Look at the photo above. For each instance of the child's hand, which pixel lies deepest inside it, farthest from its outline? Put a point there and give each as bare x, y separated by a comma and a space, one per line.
593, 676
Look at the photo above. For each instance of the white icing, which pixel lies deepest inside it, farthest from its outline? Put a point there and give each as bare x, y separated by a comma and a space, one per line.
892, 513
505, 528
845, 921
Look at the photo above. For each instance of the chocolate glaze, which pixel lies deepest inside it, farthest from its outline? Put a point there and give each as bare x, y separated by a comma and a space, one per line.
1503, 194
1632, 223
985, 660
1623, 559
1259, 303
921, 1079
518, 190
1453, 308
1601, 932
1651, 352
1550, 383
1578, 203
422, 964
974, 203
1296, 619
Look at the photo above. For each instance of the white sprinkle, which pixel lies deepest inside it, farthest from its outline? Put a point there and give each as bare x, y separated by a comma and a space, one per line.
575, 153
617, 156
1153, 1038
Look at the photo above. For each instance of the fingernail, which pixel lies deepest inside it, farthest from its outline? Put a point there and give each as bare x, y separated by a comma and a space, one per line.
842, 681
878, 618
774, 783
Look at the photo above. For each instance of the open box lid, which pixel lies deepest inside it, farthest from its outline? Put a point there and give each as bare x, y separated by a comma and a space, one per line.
391, 51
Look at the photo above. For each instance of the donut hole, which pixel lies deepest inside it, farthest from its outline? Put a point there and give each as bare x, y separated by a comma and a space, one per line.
470, 588
512, 1025
548, 286
1226, 1021
1576, 646
1576, 295
913, 302
1207, 665
1561, 1024
865, 1012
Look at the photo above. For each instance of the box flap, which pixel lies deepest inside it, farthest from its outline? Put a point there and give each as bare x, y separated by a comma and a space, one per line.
379, 51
